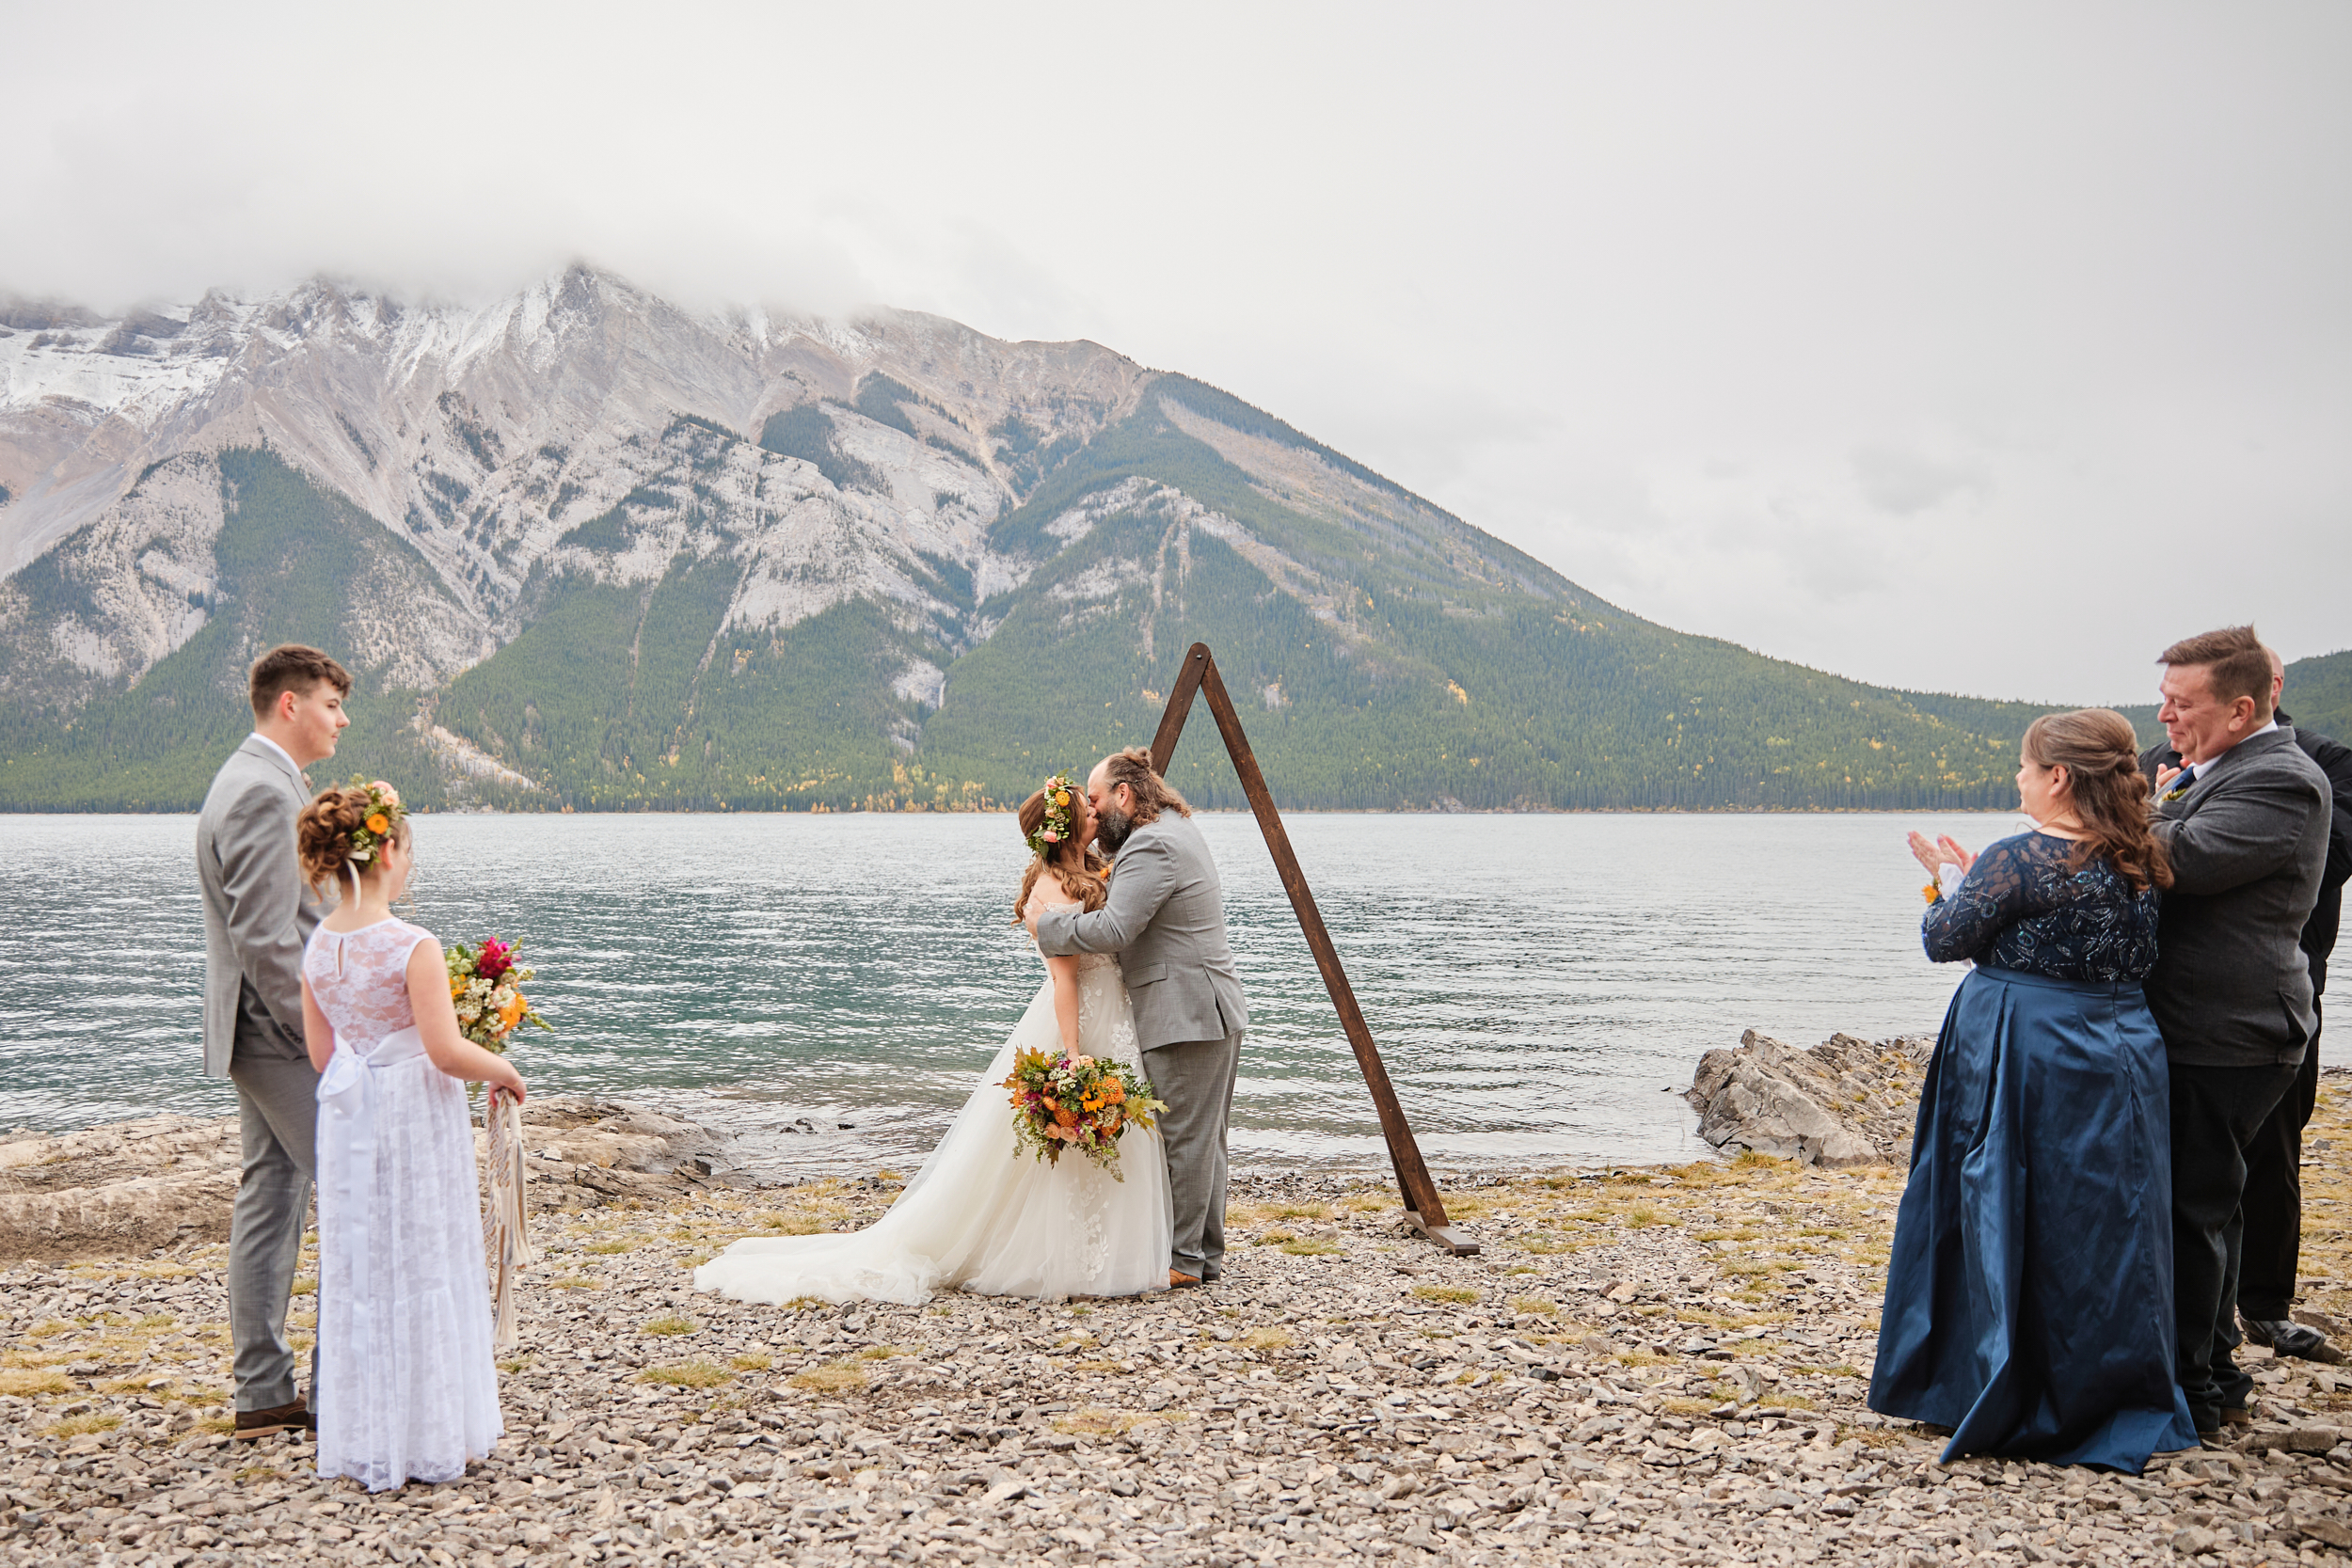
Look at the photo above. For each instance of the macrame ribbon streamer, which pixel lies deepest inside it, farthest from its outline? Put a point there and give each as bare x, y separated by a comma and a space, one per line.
505, 1231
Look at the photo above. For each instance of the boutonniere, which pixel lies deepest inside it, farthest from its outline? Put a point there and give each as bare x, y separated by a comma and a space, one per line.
2175, 795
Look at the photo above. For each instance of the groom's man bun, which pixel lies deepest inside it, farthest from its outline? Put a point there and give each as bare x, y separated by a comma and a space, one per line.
291, 667
1153, 794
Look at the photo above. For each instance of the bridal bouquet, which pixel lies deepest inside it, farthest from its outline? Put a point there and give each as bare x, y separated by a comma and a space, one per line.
487, 984
1080, 1103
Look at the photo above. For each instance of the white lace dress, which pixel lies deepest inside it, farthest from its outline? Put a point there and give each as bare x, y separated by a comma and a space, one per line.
407, 1386
984, 1216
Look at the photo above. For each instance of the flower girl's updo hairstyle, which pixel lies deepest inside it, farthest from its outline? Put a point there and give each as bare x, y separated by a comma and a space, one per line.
1075, 865
345, 829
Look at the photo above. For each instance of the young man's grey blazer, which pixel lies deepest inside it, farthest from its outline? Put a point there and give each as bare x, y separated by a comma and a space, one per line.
257, 918
1166, 920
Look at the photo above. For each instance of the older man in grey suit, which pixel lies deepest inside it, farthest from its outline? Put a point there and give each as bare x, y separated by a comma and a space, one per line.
2245, 822
257, 917
1166, 920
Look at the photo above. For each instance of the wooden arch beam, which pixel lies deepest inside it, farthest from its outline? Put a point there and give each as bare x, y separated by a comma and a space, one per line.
1198, 676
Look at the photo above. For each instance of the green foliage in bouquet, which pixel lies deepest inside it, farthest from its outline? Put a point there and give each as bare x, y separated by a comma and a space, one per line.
1080, 1103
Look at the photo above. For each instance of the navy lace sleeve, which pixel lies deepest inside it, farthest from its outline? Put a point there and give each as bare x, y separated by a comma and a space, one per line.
2020, 907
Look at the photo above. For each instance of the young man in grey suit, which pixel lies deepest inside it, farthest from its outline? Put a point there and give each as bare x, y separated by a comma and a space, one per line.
257, 917
1166, 920
2244, 822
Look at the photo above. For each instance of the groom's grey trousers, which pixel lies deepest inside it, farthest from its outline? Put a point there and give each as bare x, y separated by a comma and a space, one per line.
277, 1122
1196, 1078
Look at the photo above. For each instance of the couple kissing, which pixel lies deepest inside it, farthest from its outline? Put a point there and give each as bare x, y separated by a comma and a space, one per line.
1139, 973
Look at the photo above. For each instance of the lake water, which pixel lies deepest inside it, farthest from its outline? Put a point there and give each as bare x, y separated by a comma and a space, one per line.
1535, 983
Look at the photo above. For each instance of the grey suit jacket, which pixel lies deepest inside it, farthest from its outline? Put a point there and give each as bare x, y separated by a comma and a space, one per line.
2249, 841
1166, 920
257, 913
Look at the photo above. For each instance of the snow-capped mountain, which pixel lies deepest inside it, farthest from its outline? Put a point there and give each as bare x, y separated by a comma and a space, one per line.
586, 547
483, 437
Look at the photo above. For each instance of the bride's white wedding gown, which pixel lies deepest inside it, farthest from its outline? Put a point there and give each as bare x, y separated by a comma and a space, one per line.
984, 1216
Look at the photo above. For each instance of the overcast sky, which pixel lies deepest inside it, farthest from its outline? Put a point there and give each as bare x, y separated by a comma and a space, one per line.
1984, 348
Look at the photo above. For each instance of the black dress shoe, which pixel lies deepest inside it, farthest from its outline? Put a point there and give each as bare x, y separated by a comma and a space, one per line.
2288, 1338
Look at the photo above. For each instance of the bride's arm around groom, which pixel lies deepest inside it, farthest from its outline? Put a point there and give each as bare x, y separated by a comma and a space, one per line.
1166, 920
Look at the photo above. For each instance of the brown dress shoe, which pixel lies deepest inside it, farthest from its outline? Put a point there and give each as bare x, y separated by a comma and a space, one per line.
1177, 1281
2237, 1417
269, 1423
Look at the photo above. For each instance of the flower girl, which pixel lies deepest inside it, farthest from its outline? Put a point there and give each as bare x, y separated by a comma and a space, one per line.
406, 1389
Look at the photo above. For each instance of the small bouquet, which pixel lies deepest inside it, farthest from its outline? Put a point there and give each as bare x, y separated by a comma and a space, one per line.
1082, 1103
487, 984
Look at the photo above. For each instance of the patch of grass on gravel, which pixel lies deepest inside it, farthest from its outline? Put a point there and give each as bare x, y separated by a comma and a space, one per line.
1312, 1246
1268, 1338
879, 1352
606, 1249
1689, 1406
834, 1377
1533, 1304
22, 1382
686, 1374
75, 1426
671, 1325
751, 1361
1095, 1422
1445, 1292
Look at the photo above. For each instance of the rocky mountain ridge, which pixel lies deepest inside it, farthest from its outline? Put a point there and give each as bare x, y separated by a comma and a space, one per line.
588, 548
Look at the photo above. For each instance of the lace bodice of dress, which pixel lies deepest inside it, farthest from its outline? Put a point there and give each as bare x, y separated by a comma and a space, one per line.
1105, 1027
360, 979
2021, 908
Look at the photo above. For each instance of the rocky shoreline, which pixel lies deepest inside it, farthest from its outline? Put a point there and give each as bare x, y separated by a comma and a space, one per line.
1643, 1365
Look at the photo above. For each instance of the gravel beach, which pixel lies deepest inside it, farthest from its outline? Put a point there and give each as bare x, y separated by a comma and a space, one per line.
1642, 1366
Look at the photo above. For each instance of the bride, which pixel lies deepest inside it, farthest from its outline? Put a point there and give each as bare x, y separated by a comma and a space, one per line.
980, 1215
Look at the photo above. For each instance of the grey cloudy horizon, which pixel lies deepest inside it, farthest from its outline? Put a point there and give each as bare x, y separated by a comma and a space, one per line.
1982, 349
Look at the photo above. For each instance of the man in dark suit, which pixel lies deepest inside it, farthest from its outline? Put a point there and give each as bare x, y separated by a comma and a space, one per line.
2273, 1204
2244, 822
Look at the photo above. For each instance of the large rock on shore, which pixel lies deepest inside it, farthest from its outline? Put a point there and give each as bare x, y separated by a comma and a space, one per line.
133, 1186
1846, 1102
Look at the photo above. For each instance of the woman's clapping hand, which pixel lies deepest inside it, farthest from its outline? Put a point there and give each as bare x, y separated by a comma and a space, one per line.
1937, 853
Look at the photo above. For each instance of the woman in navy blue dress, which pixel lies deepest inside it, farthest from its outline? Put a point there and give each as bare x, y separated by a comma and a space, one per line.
2029, 1298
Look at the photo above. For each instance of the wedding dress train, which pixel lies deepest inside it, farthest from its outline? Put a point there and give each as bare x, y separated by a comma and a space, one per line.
984, 1216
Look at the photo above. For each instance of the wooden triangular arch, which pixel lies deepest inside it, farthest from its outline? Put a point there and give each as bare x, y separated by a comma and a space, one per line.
1423, 1206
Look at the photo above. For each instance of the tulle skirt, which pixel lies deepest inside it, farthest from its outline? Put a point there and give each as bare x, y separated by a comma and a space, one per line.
984, 1216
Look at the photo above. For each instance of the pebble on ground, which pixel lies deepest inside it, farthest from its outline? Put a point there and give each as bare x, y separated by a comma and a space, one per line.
1642, 1366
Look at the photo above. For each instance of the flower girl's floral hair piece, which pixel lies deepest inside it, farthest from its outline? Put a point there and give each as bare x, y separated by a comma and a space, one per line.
1060, 791
345, 829
382, 823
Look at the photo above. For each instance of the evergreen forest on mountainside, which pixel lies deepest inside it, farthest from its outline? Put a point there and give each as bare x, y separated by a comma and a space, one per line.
1383, 654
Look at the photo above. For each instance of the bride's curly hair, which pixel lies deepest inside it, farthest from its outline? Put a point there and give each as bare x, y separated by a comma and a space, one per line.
1075, 866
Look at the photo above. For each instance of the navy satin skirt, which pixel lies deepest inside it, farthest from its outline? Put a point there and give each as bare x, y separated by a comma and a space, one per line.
2029, 1297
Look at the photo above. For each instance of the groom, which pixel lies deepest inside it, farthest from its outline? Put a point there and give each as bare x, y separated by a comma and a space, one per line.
257, 917
1166, 919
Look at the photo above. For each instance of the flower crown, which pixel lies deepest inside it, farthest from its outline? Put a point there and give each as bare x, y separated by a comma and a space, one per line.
1055, 829
385, 816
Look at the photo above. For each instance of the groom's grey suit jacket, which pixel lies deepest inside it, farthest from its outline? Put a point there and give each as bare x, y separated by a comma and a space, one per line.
1166, 920
2248, 842
257, 913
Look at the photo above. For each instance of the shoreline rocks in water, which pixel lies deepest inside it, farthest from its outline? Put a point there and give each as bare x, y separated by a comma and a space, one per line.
1844, 1102
1643, 1366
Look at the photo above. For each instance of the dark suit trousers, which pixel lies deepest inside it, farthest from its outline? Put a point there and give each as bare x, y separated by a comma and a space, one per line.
2274, 1195
2217, 1113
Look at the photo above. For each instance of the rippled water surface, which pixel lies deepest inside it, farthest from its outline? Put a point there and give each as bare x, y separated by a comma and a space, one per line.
1535, 982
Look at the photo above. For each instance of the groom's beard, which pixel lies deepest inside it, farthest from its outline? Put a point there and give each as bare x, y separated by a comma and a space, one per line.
1111, 828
